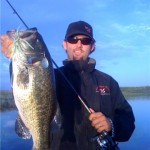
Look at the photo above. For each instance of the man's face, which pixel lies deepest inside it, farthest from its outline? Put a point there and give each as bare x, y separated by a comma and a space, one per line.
78, 49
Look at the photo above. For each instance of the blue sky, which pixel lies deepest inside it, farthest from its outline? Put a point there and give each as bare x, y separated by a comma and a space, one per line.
121, 29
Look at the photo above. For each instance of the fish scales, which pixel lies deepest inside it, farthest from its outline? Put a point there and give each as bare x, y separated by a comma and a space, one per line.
34, 87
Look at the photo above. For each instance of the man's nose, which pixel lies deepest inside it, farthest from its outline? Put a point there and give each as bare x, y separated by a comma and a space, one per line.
79, 44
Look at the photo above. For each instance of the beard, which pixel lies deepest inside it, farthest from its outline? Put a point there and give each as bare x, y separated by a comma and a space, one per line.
75, 58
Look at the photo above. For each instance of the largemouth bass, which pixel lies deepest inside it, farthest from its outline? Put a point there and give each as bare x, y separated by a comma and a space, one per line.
33, 84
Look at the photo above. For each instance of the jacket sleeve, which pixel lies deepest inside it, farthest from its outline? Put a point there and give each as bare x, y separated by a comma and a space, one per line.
123, 117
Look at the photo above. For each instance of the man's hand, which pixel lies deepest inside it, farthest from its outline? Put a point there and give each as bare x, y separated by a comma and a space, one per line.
99, 121
6, 45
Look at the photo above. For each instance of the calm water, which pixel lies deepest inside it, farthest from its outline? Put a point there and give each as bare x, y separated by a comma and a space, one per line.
140, 139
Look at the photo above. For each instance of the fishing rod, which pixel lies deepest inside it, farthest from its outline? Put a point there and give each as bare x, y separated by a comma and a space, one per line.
17, 14
81, 100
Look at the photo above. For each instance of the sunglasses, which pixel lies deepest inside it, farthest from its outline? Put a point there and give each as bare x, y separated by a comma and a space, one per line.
84, 41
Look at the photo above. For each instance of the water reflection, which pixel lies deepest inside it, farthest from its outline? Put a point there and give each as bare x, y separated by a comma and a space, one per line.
9, 139
140, 139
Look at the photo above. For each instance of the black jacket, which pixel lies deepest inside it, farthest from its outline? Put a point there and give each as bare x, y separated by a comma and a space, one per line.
101, 93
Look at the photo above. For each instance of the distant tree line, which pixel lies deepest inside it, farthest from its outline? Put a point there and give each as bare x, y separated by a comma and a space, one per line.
7, 100
136, 91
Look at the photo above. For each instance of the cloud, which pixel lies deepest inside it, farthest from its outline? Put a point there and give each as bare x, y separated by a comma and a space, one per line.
124, 37
138, 29
141, 5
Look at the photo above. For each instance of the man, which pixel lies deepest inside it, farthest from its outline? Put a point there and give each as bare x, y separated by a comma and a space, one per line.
109, 110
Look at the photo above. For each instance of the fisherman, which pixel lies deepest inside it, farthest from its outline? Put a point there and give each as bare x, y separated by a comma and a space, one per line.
109, 110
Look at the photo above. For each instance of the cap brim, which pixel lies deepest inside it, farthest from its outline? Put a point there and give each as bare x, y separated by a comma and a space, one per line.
79, 33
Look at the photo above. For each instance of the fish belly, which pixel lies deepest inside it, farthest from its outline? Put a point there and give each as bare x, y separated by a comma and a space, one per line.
35, 97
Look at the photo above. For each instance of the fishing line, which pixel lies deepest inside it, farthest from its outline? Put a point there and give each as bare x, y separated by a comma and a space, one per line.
81, 100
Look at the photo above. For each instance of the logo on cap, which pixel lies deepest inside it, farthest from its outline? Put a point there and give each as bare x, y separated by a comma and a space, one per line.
87, 29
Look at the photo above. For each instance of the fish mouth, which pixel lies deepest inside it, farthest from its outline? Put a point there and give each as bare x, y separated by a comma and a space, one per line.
33, 60
38, 61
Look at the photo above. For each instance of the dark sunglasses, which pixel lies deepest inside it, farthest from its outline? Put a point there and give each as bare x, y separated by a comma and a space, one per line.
84, 41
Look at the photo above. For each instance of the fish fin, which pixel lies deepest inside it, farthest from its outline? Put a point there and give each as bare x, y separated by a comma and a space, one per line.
21, 129
57, 121
55, 124
11, 73
44, 63
11, 79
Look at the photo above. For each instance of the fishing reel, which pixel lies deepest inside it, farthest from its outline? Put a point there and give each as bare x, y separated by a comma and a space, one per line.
105, 141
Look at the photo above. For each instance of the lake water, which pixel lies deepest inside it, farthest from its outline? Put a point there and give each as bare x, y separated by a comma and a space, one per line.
140, 139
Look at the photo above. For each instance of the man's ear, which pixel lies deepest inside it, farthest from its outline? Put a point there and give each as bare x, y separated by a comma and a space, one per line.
64, 45
92, 48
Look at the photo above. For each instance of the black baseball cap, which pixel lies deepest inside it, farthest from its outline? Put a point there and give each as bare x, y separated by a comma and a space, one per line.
79, 27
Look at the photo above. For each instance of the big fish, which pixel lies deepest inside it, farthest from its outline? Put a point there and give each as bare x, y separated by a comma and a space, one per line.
33, 84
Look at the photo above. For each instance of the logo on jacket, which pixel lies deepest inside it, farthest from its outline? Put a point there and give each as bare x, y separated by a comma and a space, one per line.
103, 90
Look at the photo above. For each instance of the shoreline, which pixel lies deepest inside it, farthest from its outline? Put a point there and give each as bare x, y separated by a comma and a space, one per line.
7, 101
135, 91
